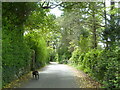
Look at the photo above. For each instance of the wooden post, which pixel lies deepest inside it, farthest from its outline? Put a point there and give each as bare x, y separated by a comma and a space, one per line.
33, 60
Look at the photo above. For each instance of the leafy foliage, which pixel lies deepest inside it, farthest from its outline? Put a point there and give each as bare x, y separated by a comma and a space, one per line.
22, 27
16, 55
74, 37
36, 42
102, 65
85, 30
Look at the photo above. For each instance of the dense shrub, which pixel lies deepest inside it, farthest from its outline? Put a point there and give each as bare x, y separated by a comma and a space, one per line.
63, 54
90, 61
111, 77
15, 55
102, 65
53, 56
37, 43
75, 56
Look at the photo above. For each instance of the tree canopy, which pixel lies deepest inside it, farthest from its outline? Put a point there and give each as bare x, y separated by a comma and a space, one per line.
86, 35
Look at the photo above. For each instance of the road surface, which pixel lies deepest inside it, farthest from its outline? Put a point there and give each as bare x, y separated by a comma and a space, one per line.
53, 76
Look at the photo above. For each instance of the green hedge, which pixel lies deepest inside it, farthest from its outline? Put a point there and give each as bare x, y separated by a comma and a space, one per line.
102, 65
37, 43
15, 55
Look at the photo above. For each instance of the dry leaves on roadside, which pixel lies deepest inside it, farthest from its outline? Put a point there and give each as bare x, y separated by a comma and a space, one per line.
83, 80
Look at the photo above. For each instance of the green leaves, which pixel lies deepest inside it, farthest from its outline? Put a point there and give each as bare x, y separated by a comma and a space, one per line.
27, 27
17, 12
36, 42
15, 54
101, 64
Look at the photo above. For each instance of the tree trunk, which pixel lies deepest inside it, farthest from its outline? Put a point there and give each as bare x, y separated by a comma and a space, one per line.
105, 24
94, 28
112, 25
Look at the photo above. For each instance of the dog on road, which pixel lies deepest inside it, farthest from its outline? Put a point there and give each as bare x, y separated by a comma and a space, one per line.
35, 74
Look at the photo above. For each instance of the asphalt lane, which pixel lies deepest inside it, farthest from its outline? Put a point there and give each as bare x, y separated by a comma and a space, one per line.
53, 76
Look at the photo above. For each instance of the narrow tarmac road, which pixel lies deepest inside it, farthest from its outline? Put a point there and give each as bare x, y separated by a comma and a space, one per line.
53, 76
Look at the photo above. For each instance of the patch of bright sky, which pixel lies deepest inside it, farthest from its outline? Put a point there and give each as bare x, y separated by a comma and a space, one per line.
107, 3
56, 12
